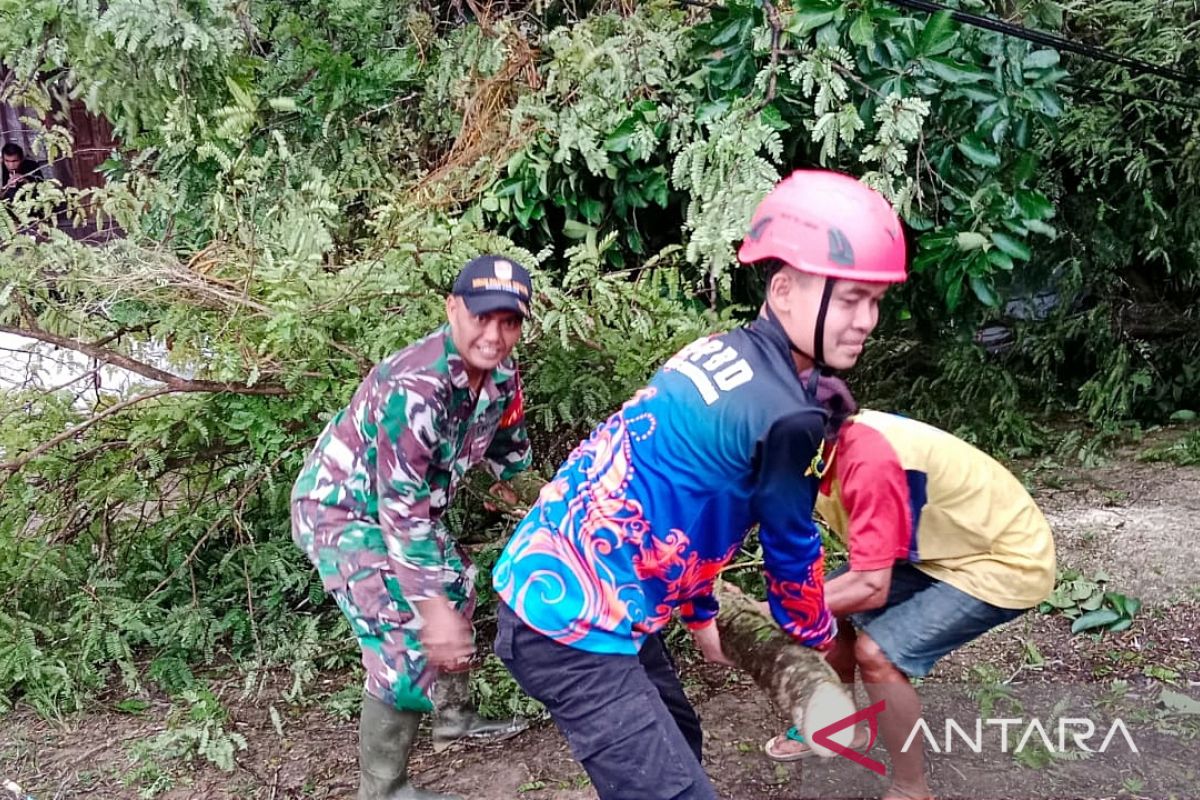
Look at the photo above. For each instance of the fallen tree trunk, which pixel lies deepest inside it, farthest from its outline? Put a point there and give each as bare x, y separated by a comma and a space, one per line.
796, 678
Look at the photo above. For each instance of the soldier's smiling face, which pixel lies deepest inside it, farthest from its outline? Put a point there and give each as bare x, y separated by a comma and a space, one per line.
483, 340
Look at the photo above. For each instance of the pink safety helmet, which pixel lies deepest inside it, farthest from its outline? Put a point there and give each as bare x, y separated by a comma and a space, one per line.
827, 223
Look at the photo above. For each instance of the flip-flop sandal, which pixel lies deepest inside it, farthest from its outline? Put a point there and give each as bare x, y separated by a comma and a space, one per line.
796, 736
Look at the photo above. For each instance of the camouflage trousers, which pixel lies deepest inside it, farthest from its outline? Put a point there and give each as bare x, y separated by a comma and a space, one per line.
387, 626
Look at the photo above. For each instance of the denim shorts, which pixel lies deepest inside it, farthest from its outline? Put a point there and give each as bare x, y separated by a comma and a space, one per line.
924, 619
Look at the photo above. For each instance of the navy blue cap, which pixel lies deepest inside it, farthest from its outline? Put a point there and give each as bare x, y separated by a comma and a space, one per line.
494, 283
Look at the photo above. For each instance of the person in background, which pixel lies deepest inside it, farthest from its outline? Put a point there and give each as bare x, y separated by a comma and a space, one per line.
16, 170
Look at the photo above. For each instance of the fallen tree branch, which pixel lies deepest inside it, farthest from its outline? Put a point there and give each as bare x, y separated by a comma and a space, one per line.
17, 463
175, 383
216, 523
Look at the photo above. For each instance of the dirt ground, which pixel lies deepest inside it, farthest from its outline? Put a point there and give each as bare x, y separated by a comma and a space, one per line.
1134, 520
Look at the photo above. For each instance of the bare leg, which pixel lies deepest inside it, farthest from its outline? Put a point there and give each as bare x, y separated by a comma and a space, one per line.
841, 656
843, 660
884, 682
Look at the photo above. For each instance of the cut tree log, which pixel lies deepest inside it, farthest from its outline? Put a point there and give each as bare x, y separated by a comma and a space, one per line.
796, 678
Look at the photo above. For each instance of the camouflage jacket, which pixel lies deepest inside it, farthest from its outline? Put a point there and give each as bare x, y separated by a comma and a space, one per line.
386, 467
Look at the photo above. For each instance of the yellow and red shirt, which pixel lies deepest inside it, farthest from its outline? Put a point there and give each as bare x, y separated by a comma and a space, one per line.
897, 488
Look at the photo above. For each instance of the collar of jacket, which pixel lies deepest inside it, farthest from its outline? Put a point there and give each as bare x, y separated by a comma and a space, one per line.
769, 327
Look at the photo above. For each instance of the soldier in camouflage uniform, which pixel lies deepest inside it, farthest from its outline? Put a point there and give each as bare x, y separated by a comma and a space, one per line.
368, 506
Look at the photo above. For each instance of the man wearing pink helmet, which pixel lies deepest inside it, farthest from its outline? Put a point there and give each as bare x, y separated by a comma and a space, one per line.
644, 514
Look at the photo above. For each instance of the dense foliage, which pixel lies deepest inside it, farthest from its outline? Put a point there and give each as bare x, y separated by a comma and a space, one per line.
300, 181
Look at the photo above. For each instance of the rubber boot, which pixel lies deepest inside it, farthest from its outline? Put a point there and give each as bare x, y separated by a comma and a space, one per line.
385, 739
456, 717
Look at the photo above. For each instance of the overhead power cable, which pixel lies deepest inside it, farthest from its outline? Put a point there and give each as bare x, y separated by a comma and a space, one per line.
1049, 40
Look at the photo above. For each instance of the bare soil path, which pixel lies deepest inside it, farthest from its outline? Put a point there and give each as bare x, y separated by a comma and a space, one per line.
1135, 521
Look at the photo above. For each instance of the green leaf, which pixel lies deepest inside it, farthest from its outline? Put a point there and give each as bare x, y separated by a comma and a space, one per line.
774, 120
1084, 590
978, 153
591, 209
656, 188
132, 705
938, 35
806, 20
953, 294
508, 187
1061, 599
980, 94
634, 239
970, 240
1040, 59
1050, 77
618, 141
952, 71
1000, 260
1037, 226
1034, 205
862, 31
1011, 245
574, 229
710, 111
282, 103
1050, 103
983, 290
647, 108
1095, 619
1183, 415
1022, 135
732, 30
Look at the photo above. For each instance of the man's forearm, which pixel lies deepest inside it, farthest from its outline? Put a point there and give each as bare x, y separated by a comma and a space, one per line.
857, 591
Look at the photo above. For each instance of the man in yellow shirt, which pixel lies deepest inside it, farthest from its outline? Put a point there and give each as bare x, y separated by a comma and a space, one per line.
944, 544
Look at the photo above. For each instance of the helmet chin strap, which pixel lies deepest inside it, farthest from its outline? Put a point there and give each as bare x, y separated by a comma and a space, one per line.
819, 333
818, 354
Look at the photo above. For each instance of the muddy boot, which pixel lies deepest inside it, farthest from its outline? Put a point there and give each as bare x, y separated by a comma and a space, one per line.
385, 738
456, 717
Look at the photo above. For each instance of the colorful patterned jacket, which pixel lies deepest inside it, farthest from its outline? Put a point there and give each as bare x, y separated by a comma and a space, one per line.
373, 491
646, 512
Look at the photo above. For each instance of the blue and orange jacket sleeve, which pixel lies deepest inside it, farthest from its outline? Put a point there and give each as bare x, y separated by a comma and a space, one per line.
791, 542
699, 611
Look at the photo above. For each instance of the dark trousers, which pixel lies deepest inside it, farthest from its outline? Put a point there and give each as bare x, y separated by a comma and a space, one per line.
626, 717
